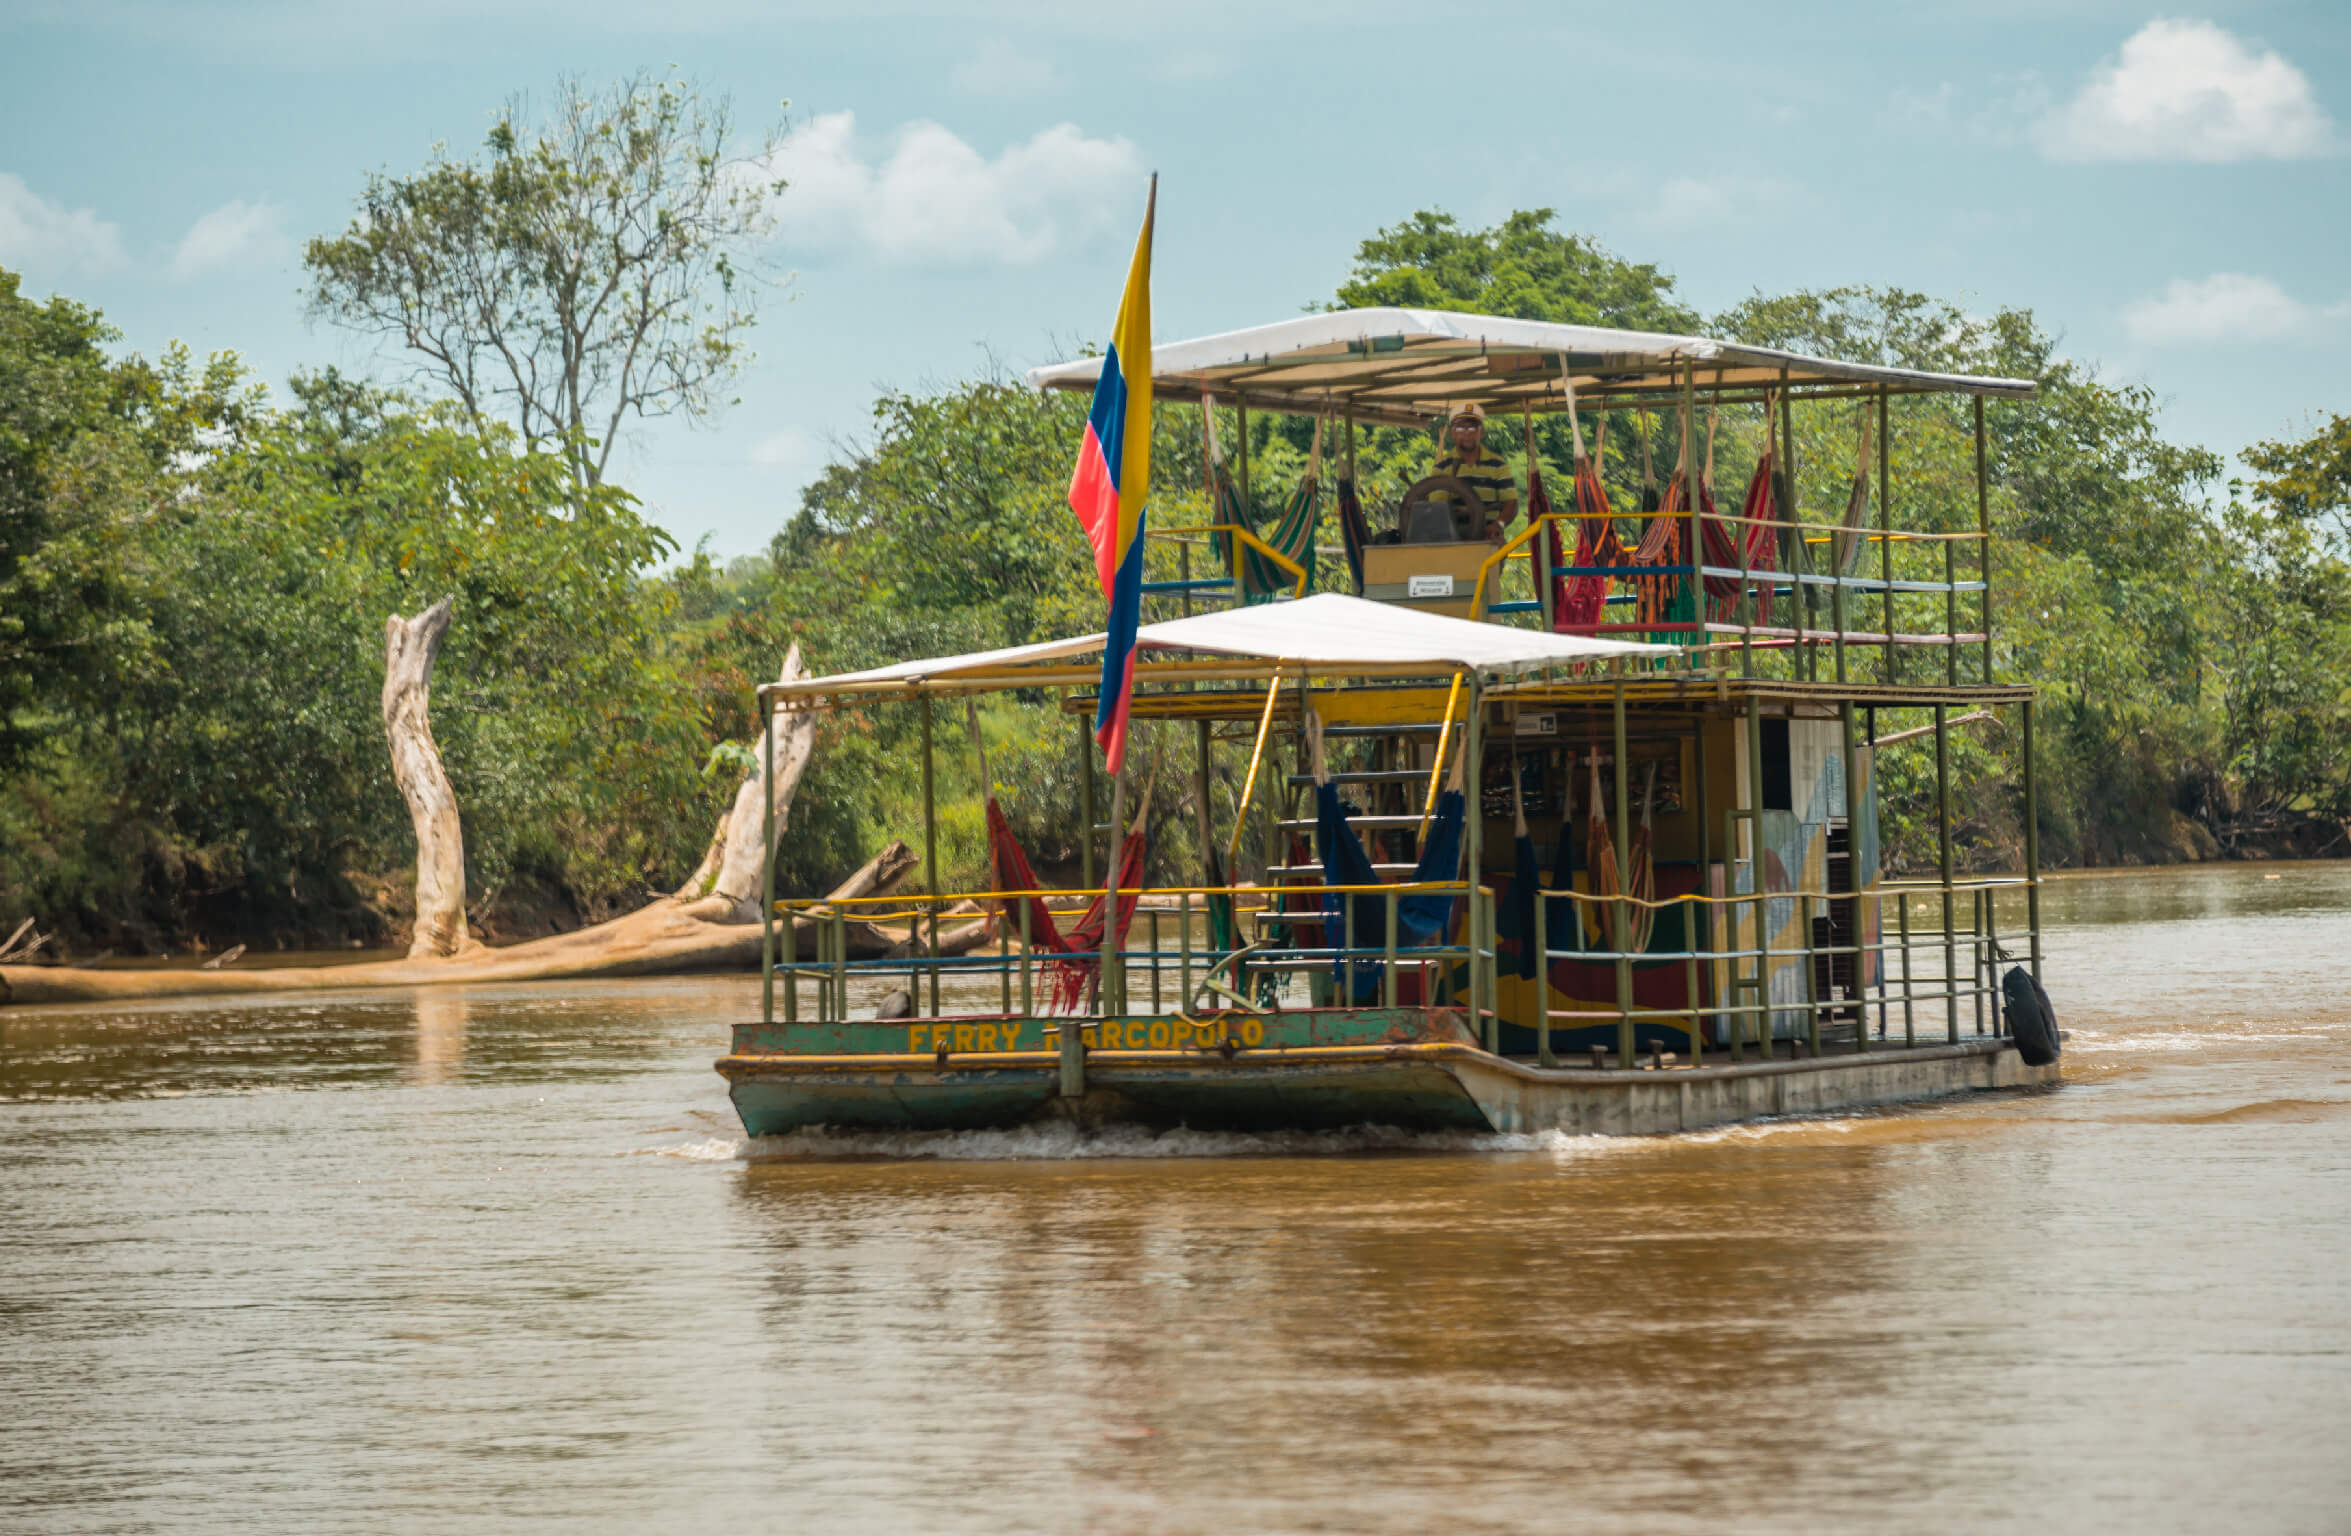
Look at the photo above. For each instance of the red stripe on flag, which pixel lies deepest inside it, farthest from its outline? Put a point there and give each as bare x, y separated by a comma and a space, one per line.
1093, 496
1112, 738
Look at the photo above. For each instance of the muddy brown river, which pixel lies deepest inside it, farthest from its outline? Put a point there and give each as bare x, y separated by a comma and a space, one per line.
475, 1260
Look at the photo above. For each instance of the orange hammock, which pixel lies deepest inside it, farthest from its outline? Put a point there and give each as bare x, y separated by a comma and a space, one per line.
1066, 979
1601, 856
1661, 544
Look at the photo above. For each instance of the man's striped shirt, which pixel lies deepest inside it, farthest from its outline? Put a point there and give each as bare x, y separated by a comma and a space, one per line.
1487, 474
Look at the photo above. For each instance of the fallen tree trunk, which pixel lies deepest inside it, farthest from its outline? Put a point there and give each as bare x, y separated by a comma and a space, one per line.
660, 939
711, 924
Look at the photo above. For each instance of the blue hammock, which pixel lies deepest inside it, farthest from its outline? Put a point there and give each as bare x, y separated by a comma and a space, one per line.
1420, 920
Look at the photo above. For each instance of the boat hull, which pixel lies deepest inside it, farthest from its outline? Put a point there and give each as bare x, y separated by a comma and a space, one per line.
1417, 1085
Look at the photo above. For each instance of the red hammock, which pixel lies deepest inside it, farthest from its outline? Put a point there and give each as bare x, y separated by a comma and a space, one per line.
1722, 545
1601, 856
1579, 603
1009, 866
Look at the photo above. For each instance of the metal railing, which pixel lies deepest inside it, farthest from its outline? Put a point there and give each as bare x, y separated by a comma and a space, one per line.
1755, 1021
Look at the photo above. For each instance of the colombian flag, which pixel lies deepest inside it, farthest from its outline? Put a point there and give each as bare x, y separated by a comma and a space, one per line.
1106, 489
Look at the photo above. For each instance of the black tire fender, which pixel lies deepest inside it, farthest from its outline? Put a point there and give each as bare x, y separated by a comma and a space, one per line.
2032, 1023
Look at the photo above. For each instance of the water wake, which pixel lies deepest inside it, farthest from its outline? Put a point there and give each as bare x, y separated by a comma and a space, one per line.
1063, 1143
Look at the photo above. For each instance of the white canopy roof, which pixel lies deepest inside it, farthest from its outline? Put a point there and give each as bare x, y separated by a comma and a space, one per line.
1410, 365
1329, 630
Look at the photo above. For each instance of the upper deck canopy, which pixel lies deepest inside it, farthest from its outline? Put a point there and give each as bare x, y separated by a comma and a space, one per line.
1408, 366
1329, 631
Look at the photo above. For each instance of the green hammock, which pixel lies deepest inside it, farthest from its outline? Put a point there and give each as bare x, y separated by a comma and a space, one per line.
1261, 579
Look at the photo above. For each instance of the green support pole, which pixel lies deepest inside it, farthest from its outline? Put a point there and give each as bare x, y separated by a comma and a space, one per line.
1624, 879
1853, 864
1943, 845
767, 859
2032, 841
1893, 669
1756, 868
1983, 528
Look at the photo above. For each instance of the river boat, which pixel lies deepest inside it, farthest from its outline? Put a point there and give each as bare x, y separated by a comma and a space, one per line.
1575, 830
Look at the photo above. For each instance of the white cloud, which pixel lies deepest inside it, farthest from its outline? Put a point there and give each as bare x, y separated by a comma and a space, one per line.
1682, 203
61, 243
931, 198
1689, 202
1000, 70
2227, 306
237, 234
2188, 90
794, 454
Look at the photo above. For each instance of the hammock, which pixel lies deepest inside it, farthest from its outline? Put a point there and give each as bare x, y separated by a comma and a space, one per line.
1260, 579
1066, 978
1354, 527
1659, 600
1605, 875
1749, 544
1579, 603
1847, 543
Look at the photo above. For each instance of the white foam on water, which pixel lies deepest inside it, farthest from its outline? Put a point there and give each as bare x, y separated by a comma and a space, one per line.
715, 1150
1060, 1143
1759, 1130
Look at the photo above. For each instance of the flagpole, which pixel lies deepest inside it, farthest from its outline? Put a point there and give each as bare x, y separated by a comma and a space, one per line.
1114, 981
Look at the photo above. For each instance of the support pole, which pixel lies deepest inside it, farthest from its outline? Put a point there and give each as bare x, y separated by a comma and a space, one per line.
1473, 747
1983, 528
1241, 436
1806, 662
1943, 843
1114, 978
1757, 869
1693, 551
2032, 841
1624, 880
1085, 803
1853, 867
930, 856
767, 859
1893, 669
1698, 925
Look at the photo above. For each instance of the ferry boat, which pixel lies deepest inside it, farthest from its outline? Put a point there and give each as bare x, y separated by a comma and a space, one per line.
1593, 841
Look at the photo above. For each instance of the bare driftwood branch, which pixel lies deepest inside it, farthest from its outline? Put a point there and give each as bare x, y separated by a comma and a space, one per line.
409, 648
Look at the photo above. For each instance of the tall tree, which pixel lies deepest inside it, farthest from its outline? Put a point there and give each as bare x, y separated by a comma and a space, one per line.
1522, 268
598, 266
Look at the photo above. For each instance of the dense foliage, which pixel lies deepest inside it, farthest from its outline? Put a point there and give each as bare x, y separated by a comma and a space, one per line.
194, 581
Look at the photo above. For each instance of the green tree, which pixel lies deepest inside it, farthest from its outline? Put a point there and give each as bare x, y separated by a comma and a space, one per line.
600, 266
1522, 268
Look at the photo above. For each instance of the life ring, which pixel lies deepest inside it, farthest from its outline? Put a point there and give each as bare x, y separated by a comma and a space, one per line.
2031, 1021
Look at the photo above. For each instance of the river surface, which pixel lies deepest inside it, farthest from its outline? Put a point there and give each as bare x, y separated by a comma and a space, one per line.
465, 1260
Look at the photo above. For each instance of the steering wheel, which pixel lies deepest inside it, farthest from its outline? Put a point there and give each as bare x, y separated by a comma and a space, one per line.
1461, 492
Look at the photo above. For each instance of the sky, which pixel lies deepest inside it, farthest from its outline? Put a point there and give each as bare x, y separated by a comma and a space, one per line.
2169, 191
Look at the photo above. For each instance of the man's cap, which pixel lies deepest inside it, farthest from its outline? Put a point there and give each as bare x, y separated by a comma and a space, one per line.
1468, 411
